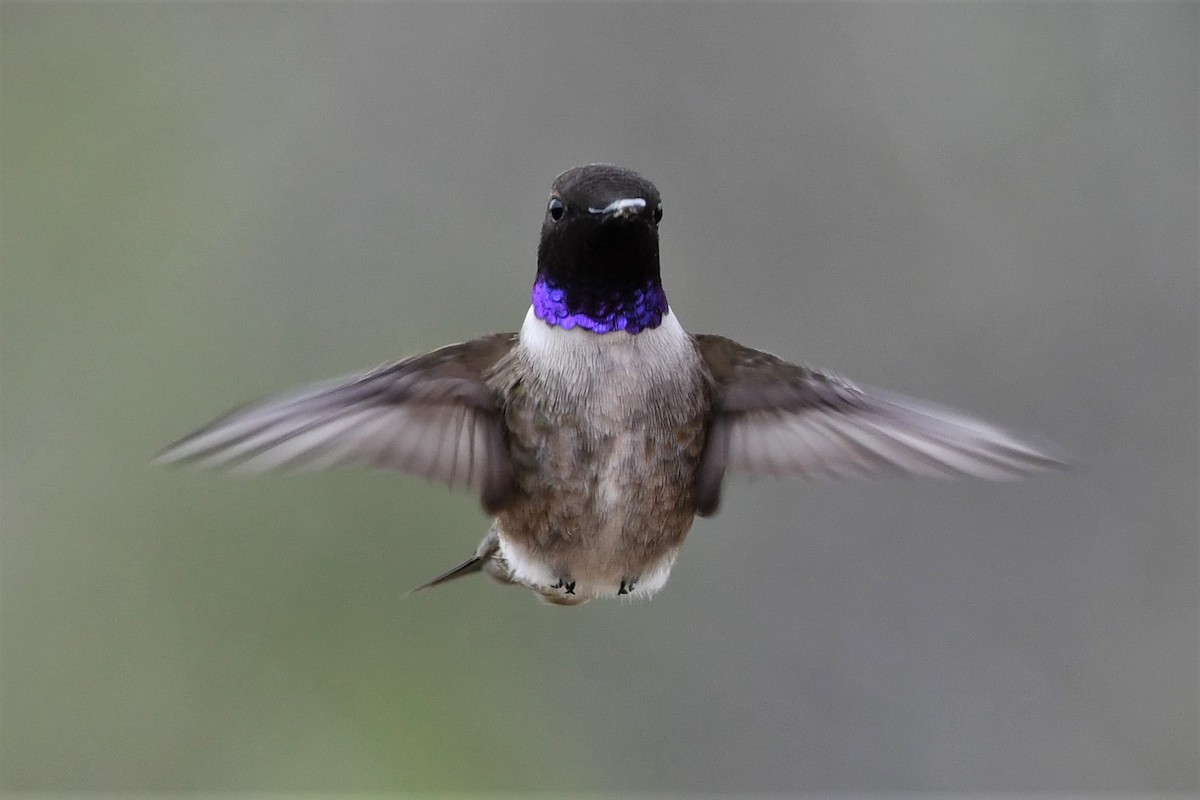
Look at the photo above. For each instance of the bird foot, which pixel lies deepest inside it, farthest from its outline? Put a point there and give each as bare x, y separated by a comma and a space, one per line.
627, 585
567, 586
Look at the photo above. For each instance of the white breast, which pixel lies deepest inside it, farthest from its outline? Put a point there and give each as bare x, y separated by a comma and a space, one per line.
569, 351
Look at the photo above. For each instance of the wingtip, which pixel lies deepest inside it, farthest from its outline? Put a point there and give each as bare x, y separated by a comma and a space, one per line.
183, 450
1031, 453
178, 453
168, 456
1043, 455
1059, 459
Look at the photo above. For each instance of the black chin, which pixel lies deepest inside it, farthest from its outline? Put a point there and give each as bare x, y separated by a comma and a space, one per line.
599, 255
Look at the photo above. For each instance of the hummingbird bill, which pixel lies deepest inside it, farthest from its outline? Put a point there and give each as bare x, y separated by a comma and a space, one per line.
598, 432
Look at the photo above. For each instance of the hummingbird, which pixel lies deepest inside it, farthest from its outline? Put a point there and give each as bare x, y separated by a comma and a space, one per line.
598, 432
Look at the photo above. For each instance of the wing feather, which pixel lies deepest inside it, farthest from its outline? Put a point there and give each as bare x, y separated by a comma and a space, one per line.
776, 418
433, 416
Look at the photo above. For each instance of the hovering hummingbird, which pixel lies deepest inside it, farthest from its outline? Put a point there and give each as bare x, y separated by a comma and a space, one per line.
598, 432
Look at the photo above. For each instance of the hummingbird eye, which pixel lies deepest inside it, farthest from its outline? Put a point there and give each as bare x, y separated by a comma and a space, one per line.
658, 213
556, 208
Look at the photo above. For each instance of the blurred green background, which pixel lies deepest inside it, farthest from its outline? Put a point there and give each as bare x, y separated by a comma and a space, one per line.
989, 205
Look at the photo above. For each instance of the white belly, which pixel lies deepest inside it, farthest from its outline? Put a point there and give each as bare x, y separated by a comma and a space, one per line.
528, 569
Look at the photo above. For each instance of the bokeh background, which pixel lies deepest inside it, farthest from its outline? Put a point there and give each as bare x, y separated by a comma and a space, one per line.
993, 206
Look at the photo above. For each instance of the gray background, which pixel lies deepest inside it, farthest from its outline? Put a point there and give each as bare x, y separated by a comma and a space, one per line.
991, 206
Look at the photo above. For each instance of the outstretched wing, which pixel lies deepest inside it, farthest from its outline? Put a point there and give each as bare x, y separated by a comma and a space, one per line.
431, 415
776, 418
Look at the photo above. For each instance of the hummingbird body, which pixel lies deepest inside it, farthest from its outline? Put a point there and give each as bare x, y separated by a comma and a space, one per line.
598, 432
604, 452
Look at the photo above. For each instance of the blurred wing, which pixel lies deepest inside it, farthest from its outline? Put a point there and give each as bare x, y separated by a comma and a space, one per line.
431, 415
776, 418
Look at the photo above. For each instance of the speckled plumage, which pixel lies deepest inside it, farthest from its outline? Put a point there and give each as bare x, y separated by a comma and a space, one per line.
604, 451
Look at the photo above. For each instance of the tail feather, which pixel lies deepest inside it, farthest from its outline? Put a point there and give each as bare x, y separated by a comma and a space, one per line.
468, 567
487, 551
